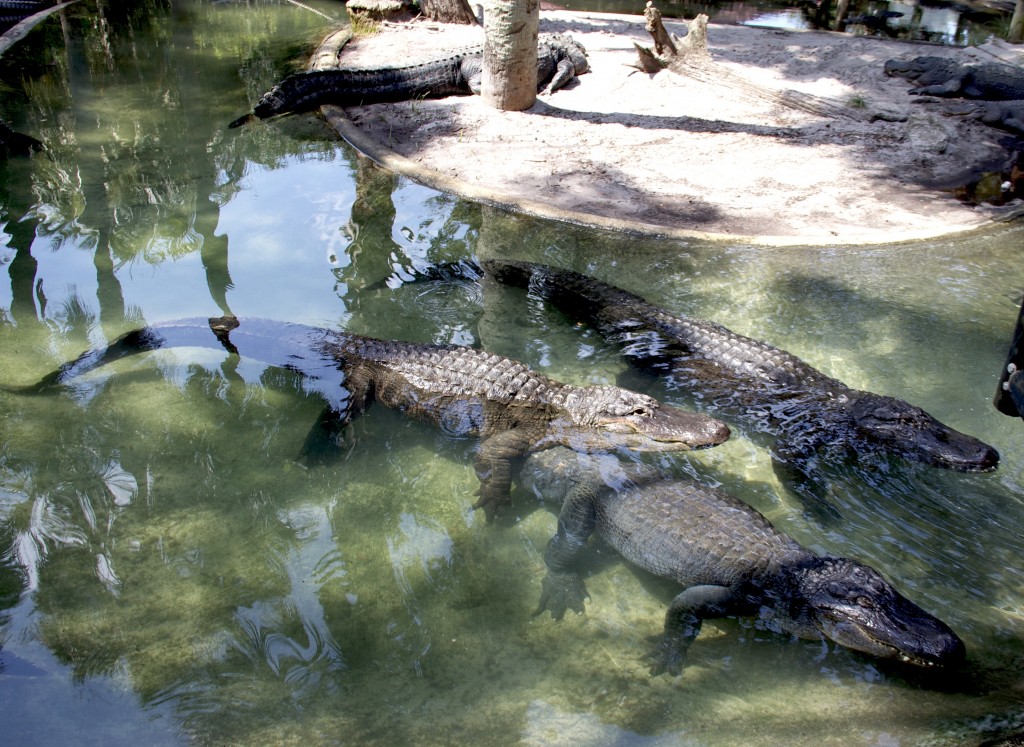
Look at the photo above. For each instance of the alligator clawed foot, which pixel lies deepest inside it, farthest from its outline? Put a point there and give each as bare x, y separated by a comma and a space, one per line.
244, 119
491, 505
561, 592
667, 657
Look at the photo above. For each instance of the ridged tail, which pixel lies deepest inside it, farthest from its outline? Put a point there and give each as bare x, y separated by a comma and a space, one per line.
305, 91
137, 341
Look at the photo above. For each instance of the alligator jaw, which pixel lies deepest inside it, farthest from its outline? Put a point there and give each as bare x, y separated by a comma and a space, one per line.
909, 430
970, 456
668, 429
942, 648
851, 604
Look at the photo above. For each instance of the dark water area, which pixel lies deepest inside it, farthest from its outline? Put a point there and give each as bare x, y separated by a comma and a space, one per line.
170, 571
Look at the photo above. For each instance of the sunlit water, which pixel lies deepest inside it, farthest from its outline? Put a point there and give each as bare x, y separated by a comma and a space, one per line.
172, 574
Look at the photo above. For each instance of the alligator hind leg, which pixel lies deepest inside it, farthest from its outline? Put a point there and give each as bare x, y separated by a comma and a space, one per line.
323, 442
563, 588
325, 437
683, 622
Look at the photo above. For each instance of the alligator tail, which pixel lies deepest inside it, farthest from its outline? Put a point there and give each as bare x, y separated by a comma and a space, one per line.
131, 343
306, 91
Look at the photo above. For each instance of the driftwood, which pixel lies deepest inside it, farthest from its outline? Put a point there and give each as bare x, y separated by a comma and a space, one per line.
689, 56
669, 48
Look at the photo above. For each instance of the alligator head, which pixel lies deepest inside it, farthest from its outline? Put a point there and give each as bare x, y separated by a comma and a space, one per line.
921, 66
851, 604
909, 430
641, 423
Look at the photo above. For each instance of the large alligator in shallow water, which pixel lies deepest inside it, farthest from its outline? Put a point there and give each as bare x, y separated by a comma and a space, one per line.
943, 76
728, 557
559, 60
776, 392
513, 409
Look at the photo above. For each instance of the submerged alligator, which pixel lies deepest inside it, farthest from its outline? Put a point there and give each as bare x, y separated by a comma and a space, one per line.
774, 391
942, 76
513, 409
16, 142
559, 60
729, 558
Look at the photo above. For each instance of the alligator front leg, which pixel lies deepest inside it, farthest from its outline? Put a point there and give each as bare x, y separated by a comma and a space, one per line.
493, 466
949, 88
683, 622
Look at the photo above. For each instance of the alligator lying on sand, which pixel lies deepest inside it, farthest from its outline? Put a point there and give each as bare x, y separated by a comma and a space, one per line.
1007, 115
730, 560
943, 76
513, 409
559, 60
775, 391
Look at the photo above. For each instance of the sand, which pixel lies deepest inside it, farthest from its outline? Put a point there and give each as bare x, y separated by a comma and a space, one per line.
705, 155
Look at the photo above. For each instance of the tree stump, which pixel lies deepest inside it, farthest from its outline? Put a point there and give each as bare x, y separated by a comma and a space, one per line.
449, 11
379, 10
670, 50
654, 26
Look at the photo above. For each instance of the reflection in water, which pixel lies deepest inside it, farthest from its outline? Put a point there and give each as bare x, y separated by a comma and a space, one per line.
169, 573
305, 660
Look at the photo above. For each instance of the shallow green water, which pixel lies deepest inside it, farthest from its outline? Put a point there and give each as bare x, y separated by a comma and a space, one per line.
172, 574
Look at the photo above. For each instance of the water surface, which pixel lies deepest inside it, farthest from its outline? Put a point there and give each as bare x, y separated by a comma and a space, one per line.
171, 573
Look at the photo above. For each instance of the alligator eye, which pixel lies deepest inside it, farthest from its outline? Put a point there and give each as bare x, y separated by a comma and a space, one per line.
866, 602
640, 411
836, 589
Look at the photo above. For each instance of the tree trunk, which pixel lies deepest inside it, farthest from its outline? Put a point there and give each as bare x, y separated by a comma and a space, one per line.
1016, 33
448, 11
841, 12
509, 80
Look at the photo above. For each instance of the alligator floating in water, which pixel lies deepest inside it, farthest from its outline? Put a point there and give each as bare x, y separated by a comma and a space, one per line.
943, 76
513, 409
559, 60
776, 392
16, 142
730, 560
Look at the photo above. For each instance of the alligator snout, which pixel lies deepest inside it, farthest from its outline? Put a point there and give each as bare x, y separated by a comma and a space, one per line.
715, 432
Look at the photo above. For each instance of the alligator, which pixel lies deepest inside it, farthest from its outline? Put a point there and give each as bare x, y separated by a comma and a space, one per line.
1009, 398
17, 142
943, 76
560, 59
1006, 115
806, 411
876, 23
511, 408
728, 557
